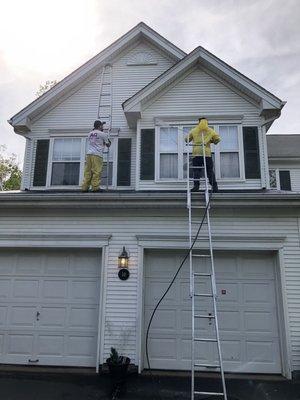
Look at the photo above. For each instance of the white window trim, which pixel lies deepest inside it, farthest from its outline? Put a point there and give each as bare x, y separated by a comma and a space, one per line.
180, 178
81, 161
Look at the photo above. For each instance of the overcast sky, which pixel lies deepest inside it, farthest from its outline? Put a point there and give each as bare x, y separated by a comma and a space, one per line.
47, 39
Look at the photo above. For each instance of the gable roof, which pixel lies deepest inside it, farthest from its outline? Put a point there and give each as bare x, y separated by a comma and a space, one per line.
283, 145
21, 120
202, 57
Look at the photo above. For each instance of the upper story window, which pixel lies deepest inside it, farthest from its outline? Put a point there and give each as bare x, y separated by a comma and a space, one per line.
171, 154
280, 179
66, 159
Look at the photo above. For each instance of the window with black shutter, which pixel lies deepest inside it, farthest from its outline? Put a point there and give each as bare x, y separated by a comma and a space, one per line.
285, 180
251, 152
147, 154
41, 162
124, 162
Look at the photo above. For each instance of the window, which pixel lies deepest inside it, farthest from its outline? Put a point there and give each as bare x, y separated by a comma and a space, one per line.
172, 153
229, 152
107, 171
66, 162
168, 153
280, 179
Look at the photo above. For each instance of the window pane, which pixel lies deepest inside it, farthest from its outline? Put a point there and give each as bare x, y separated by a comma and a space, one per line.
229, 138
273, 180
168, 140
185, 166
65, 173
67, 149
230, 165
106, 173
186, 146
285, 180
168, 166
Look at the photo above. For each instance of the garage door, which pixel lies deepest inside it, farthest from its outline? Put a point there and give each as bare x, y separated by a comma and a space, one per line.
49, 306
247, 312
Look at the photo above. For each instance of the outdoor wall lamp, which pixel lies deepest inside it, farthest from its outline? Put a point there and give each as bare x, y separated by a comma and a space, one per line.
123, 259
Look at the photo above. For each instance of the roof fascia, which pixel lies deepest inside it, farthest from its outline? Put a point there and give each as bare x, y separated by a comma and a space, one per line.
95, 63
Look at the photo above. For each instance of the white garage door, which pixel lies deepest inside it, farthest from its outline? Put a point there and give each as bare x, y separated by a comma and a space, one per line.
49, 306
247, 313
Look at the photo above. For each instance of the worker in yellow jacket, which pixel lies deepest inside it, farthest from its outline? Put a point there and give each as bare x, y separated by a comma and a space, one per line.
209, 136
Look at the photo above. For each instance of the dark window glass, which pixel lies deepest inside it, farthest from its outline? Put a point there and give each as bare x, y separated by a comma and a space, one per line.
65, 173
285, 180
106, 173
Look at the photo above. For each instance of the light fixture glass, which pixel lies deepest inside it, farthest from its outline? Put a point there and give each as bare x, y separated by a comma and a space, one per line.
123, 259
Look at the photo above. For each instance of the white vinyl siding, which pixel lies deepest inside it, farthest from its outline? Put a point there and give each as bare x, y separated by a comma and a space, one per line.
80, 108
121, 299
198, 90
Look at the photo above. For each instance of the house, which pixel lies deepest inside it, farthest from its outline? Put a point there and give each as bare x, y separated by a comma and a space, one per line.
62, 302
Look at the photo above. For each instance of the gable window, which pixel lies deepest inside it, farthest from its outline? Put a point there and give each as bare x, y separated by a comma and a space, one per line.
66, 162
280, 179
171, 153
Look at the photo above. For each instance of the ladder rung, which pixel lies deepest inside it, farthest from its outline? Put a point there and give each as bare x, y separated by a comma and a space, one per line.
192, 167
202, 207
201, 255
207, 365
209, 393
204, 340
198, 222
203, 295
203, 316
201, 274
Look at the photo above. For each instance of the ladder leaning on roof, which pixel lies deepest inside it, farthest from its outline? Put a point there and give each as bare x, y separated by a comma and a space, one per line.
195, 220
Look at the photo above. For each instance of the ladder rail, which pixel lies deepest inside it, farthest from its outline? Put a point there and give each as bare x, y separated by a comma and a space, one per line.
211, 275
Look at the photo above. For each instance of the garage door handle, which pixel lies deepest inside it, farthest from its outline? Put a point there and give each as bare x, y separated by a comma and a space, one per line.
34, 361
38, 315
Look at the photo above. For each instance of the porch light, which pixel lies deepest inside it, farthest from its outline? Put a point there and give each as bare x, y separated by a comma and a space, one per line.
123, 259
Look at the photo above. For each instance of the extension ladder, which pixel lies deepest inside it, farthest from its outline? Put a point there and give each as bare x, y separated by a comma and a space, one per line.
105, 112
195, 276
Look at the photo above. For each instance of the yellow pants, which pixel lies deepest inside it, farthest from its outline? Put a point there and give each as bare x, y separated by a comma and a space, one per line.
92, 172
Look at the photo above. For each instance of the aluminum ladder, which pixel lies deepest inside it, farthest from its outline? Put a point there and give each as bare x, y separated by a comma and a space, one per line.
195, 276
105, 112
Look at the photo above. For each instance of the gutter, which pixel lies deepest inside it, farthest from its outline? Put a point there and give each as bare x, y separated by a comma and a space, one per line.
142, 200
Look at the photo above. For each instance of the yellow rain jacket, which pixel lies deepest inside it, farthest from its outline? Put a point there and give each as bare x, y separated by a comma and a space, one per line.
209, 135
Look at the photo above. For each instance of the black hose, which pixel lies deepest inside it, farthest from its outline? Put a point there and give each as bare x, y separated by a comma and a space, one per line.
169, 287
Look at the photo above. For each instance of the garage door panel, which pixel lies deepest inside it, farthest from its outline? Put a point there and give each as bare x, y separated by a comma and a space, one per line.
261, 292
52, 317
229, 321
246, 310
81, 317
3, 315
84, 290
259, 322
55, 289
81, 346
50, 345
5, 288
22, 316
20, 344
26, 289
57, 264
30, 263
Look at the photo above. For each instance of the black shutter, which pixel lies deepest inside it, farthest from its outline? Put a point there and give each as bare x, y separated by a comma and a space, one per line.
41, 163
285, 180
251, 152
147, 154
124, 162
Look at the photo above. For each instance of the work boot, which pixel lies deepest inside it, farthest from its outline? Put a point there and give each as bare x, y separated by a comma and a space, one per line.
195, 188
215, 189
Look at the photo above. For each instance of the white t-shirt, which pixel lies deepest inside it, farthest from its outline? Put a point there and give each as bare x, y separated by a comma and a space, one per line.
96, 142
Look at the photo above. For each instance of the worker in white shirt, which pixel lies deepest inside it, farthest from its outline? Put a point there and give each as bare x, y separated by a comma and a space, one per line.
97, 141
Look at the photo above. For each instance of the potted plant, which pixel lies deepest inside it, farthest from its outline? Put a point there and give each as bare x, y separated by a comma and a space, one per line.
118, 367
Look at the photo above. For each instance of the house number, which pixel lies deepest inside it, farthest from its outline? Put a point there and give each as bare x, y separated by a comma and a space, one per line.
123, 274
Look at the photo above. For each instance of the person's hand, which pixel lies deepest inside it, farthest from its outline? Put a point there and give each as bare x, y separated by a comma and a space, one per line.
108, 144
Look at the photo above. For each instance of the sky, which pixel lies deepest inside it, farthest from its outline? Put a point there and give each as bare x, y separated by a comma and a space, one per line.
47, 39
